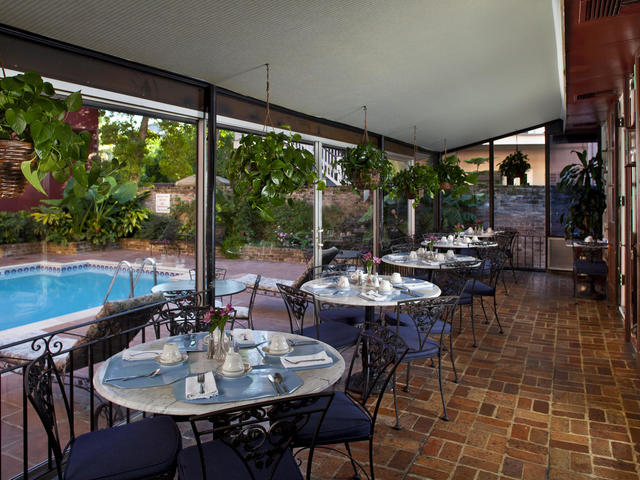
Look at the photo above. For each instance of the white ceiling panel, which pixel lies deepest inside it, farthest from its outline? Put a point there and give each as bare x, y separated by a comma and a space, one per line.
464, 70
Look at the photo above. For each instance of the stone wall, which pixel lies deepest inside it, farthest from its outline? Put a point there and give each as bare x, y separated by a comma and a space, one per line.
42, 248
268, 254
186, 193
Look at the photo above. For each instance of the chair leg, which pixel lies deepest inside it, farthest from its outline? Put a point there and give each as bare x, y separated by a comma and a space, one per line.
513, 270
473, 326
504, 284
486, 319
495, 312
406, 386
397, 426
445, 417
356, 475
460, 327
453, 363
373, 475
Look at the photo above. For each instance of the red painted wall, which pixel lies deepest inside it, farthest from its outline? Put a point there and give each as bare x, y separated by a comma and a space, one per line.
84, 119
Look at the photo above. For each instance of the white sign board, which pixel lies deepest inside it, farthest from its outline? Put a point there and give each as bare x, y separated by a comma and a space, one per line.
163, 202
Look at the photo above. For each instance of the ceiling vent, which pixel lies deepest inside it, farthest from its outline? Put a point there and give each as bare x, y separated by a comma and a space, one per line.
586, 96
595, 9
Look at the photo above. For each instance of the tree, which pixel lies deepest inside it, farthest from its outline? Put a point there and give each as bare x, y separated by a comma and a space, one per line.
477, 161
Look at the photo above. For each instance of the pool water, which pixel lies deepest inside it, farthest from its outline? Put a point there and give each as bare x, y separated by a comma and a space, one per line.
41, 295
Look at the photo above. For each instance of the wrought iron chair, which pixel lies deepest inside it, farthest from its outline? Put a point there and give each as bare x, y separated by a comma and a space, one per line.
338, 335
142, 449
588, 265
328, 311
426, 314
506, 242
244, 314
351, 419
184, 314
253, 441
493, 259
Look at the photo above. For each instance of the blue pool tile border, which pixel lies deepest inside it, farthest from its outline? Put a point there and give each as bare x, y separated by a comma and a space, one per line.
31, 268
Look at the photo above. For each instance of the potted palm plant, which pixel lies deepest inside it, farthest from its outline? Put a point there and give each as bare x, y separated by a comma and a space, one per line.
34, 137
585, 183
515, 165
366, 167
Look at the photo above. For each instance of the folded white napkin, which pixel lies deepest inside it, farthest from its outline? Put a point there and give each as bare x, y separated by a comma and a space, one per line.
470, 230
132, 355
192, 387
416, 286
396, 257
466, 240
320, 358
318, 286
373, 295
243, 336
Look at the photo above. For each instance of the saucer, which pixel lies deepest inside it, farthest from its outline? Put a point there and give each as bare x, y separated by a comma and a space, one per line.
247, 369
268, 350
159, 359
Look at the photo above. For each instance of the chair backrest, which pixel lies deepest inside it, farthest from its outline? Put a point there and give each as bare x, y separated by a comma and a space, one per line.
184, 314
426, 313
494, 259
220, 273
452, 278
38, 386
334, 269
297, 303
587, 252
261, 434
401, 247
122, 321
506, 240
252, 300
380, 350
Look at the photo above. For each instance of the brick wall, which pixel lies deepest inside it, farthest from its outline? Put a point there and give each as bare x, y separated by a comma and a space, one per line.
268, 254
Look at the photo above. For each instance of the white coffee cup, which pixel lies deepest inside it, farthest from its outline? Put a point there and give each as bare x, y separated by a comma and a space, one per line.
343, 282
232, 362
450, 254
466, 240
489, 230
413, 255
475, 238
170, 352
450, 238
441, 257
421, 251
278, 343
385, 285
396, 278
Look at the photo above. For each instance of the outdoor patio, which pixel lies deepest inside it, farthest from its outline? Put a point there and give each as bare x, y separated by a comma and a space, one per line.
555, 397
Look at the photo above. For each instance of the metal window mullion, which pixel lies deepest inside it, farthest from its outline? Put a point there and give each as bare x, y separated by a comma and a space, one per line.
317, 207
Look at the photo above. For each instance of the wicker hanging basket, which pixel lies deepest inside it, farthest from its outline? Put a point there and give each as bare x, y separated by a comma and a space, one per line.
12, 154
366, 180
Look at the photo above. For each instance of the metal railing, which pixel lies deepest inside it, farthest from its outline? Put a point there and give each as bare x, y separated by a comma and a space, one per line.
530, 251
128, 267
91, 343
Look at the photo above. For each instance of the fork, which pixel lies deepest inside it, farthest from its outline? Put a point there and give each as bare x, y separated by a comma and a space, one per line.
201, 382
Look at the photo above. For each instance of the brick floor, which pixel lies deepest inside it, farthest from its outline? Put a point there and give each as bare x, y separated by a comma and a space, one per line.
556, 397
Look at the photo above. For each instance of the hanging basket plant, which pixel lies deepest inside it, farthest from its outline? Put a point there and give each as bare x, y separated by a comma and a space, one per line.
12, 154
452, 179
366, 167
410, 182
31, 113
265, 170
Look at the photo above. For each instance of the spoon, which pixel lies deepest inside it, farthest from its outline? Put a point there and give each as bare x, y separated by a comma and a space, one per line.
280, 381
274, 384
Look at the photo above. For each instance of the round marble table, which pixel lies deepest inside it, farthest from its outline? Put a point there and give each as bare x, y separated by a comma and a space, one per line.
223, 287
472, 245
162, 400
420, 290
483, 234
393, 259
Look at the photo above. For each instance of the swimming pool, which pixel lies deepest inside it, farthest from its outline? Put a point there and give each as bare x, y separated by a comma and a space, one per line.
35, 292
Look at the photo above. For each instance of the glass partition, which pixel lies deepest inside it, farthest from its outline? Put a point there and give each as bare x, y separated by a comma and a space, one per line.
472, 208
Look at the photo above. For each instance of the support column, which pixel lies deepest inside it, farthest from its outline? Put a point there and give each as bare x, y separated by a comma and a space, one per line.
377, 213
492, 203
206, 201
411, 212
317, 208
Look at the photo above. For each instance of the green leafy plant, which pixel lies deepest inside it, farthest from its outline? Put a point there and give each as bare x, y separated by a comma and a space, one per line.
515, 165
264, 171
30, 112
366, 167
95, 207
18, 227
453, 180
414, 179
477, 161
585, 183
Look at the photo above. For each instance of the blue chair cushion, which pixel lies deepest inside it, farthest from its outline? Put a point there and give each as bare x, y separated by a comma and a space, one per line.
336, 334
419, 347
407, 321
136, 450
344, 421
479, 289
584, 267
222, 461
348, 315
